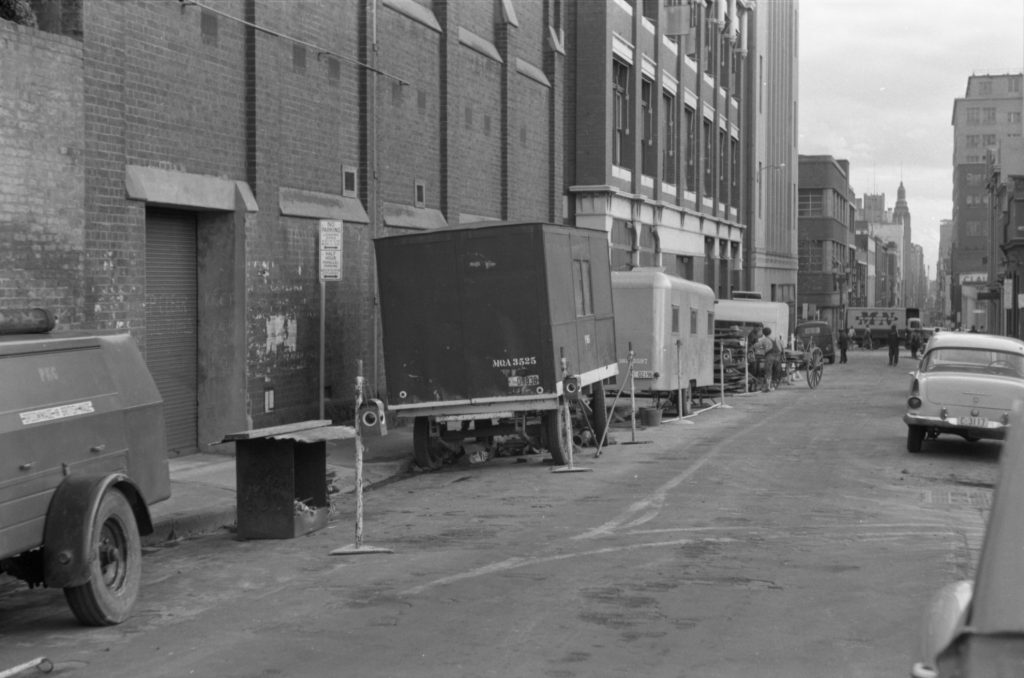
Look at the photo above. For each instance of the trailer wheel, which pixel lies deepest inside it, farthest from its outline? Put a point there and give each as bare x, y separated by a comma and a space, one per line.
422, 450
115, 566
599, 411
553, 434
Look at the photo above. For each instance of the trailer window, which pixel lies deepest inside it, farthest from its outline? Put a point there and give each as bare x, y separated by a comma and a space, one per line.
711, 323
693, 321
584, 291
675, 320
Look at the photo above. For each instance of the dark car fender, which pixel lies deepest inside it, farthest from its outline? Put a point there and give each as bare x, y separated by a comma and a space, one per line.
67, 535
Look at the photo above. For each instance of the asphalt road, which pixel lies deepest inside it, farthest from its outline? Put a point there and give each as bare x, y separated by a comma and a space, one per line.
789, 534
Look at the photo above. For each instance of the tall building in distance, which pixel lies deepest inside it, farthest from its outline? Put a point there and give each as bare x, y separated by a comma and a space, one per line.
988, 113
683, 145
828, 255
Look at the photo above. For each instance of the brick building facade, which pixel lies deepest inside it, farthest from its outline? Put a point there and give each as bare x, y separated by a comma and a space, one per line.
170, 164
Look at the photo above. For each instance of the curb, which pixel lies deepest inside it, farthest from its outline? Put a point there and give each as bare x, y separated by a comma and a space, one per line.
221, 514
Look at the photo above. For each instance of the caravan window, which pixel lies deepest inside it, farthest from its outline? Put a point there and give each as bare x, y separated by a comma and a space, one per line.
693, 321
675, 319
584, 291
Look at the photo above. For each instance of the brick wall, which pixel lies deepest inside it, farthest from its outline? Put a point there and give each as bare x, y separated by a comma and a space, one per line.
42, 173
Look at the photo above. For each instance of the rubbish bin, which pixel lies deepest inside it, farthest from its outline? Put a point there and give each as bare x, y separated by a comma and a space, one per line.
281, 478
650, 416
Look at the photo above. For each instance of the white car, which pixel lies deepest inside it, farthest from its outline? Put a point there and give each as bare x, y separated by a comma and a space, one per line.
966, 384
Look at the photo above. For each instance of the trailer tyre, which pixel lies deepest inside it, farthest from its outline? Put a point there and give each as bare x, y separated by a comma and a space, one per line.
553, 435
115, 566
423, 453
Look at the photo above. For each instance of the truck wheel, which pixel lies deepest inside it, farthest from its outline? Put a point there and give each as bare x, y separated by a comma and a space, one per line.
424, 455
915, 436
552, 435
115, 569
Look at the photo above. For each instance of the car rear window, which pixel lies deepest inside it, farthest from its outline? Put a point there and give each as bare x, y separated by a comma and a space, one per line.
973, 360
809, 330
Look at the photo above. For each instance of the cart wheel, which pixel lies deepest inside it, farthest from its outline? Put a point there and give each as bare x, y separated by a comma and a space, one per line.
552, 434
116, 569
422, 450
815, 367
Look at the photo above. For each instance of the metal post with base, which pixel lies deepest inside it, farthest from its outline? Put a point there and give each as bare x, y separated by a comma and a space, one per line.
566, 431
632, 404
358, 548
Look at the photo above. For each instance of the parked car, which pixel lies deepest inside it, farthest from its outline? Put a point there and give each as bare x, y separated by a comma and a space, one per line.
975, 628
966, 385
818, 333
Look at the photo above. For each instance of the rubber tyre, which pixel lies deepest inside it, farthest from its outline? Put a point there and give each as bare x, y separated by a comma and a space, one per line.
422, 451
915, 436
552, 435
599, 410
116, 566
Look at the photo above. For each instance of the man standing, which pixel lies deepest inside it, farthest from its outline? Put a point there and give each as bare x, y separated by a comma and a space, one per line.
844, 343
771, 357
893, 339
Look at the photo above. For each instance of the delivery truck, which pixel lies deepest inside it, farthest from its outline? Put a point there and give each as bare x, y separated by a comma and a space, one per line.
489, 328
871, 324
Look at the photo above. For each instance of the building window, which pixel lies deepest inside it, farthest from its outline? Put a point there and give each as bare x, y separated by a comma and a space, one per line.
1013, 117
734, 171
208, 27
420, 194
973, 140
709, 176
690, 167
684, 267
647, 246
621, 148
669, 139
349, 182
298, 59
421, 101
988, 116
723, 167
810, 203
1014, 84
333, 70
648, 149
990, 140
973, 116
621, 252
985, 88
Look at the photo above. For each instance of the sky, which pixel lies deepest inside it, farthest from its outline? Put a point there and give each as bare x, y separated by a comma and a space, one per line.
877, 82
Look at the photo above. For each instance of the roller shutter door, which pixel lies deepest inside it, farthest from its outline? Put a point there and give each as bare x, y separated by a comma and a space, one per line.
172, 321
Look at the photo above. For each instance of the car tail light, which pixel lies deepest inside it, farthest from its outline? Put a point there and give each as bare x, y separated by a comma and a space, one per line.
913, 402
944, 413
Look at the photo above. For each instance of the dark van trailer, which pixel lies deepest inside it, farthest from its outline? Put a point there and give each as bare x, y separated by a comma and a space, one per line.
476, 322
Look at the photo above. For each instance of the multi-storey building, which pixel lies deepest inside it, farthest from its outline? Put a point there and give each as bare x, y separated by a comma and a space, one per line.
686, 154
174, 167
989, 112
943, 276
828, 257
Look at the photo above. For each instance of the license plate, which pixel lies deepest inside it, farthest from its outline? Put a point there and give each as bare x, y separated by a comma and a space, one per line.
974, 421
643, 374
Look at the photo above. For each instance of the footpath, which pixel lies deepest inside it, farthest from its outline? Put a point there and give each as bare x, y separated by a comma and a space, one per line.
203, 486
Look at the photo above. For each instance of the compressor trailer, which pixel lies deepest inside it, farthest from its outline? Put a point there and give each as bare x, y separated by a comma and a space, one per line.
488, 328
82, 456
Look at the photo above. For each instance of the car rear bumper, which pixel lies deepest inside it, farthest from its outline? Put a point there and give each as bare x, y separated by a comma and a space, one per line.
993, 429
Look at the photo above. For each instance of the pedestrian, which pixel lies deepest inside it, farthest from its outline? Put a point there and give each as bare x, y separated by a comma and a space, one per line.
771, 358
893, 339
844, 343
973, 330
914, 343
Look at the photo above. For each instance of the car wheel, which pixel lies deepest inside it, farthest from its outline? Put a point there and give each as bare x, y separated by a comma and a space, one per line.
915, 436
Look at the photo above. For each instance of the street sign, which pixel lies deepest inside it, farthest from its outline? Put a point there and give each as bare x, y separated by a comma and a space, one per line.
330, 250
